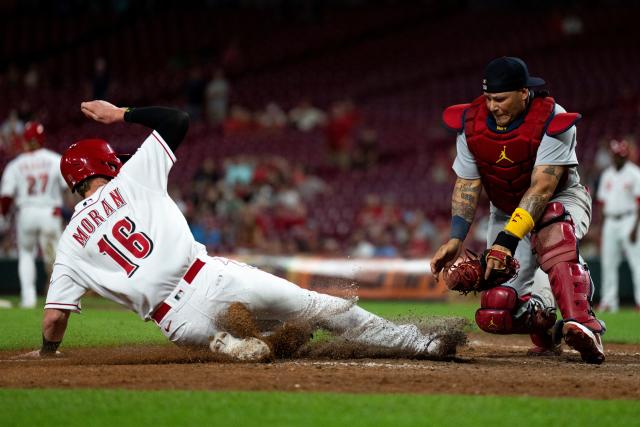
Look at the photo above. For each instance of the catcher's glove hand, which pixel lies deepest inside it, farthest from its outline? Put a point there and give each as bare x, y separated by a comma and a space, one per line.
468, 275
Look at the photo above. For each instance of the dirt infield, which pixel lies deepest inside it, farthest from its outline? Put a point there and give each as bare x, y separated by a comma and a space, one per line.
487, 365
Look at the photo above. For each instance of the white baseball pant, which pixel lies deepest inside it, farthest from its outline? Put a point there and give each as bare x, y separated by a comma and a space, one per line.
221, 282
35, 227
615, 245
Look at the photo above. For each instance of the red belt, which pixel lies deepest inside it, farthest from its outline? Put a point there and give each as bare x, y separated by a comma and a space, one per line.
191, 273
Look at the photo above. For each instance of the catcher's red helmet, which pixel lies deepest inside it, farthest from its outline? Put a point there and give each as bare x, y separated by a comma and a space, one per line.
620, 147
87, 158
33, 136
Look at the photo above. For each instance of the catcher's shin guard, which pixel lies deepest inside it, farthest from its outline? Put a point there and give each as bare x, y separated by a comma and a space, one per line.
556, 249
498, 309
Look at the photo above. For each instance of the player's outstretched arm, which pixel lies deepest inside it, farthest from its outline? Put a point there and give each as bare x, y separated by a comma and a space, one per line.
464, 203
54, 325
172, 124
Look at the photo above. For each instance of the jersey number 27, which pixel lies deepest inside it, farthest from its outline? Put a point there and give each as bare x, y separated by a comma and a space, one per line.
137, 244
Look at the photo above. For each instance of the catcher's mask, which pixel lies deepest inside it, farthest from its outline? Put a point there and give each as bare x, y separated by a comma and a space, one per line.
88, 158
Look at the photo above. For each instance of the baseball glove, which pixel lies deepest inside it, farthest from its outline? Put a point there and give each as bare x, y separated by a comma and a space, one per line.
468, 275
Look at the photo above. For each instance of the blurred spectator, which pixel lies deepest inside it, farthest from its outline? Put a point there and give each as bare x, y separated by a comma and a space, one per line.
32, 77
217, 93
238, 121
603, 158
572, 25
343, 119
366, 152
232, 58
10, 129
238, 171
176, 196
361, 247
13, 75
305, 117
371, 212
384, 245
207, 172
206, 230
194, 92
100, 80
441, 171
309, 186
272, 118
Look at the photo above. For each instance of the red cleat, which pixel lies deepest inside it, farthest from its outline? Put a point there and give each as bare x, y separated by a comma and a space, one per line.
584, 341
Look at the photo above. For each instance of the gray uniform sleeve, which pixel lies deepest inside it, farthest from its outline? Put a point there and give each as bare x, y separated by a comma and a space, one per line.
559, 150
464, 165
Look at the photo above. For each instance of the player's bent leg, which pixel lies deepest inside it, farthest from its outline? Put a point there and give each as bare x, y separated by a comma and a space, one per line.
269, 297
188, 319
359, 325
556, 248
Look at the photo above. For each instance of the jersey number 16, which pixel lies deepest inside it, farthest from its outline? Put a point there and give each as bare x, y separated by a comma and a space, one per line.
138, 244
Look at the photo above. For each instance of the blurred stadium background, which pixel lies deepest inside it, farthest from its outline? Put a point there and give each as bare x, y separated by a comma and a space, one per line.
315, 124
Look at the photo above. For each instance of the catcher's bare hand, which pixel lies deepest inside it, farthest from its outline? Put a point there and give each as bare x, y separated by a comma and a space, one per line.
445, 256
102, 111
494, 263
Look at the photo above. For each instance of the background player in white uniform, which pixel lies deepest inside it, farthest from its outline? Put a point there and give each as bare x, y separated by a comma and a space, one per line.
129, 242
619, 193
33, 181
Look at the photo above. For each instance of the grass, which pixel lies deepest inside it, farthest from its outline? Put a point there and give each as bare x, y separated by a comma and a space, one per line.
622, 327
103, 323
136, 408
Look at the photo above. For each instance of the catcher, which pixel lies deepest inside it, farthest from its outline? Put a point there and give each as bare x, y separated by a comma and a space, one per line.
519, 145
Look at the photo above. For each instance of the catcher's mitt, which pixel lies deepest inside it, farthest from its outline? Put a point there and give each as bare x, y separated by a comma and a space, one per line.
468, 275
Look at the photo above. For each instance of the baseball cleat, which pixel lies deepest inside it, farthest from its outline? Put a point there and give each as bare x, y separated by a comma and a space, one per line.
584, 341
244, 349
439, 346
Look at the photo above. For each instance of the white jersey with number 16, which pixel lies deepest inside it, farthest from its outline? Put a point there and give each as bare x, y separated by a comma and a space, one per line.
128, 241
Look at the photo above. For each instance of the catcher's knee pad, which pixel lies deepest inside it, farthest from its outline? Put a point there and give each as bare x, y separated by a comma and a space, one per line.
497, 306
556, 247
554, 239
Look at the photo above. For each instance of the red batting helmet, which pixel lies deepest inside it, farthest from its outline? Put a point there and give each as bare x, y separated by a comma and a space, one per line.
87, 158
620, 147
33, 136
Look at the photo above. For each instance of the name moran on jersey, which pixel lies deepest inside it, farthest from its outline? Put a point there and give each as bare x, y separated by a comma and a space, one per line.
94, 218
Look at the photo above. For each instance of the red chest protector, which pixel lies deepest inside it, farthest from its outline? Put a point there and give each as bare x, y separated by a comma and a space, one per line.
505, 160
